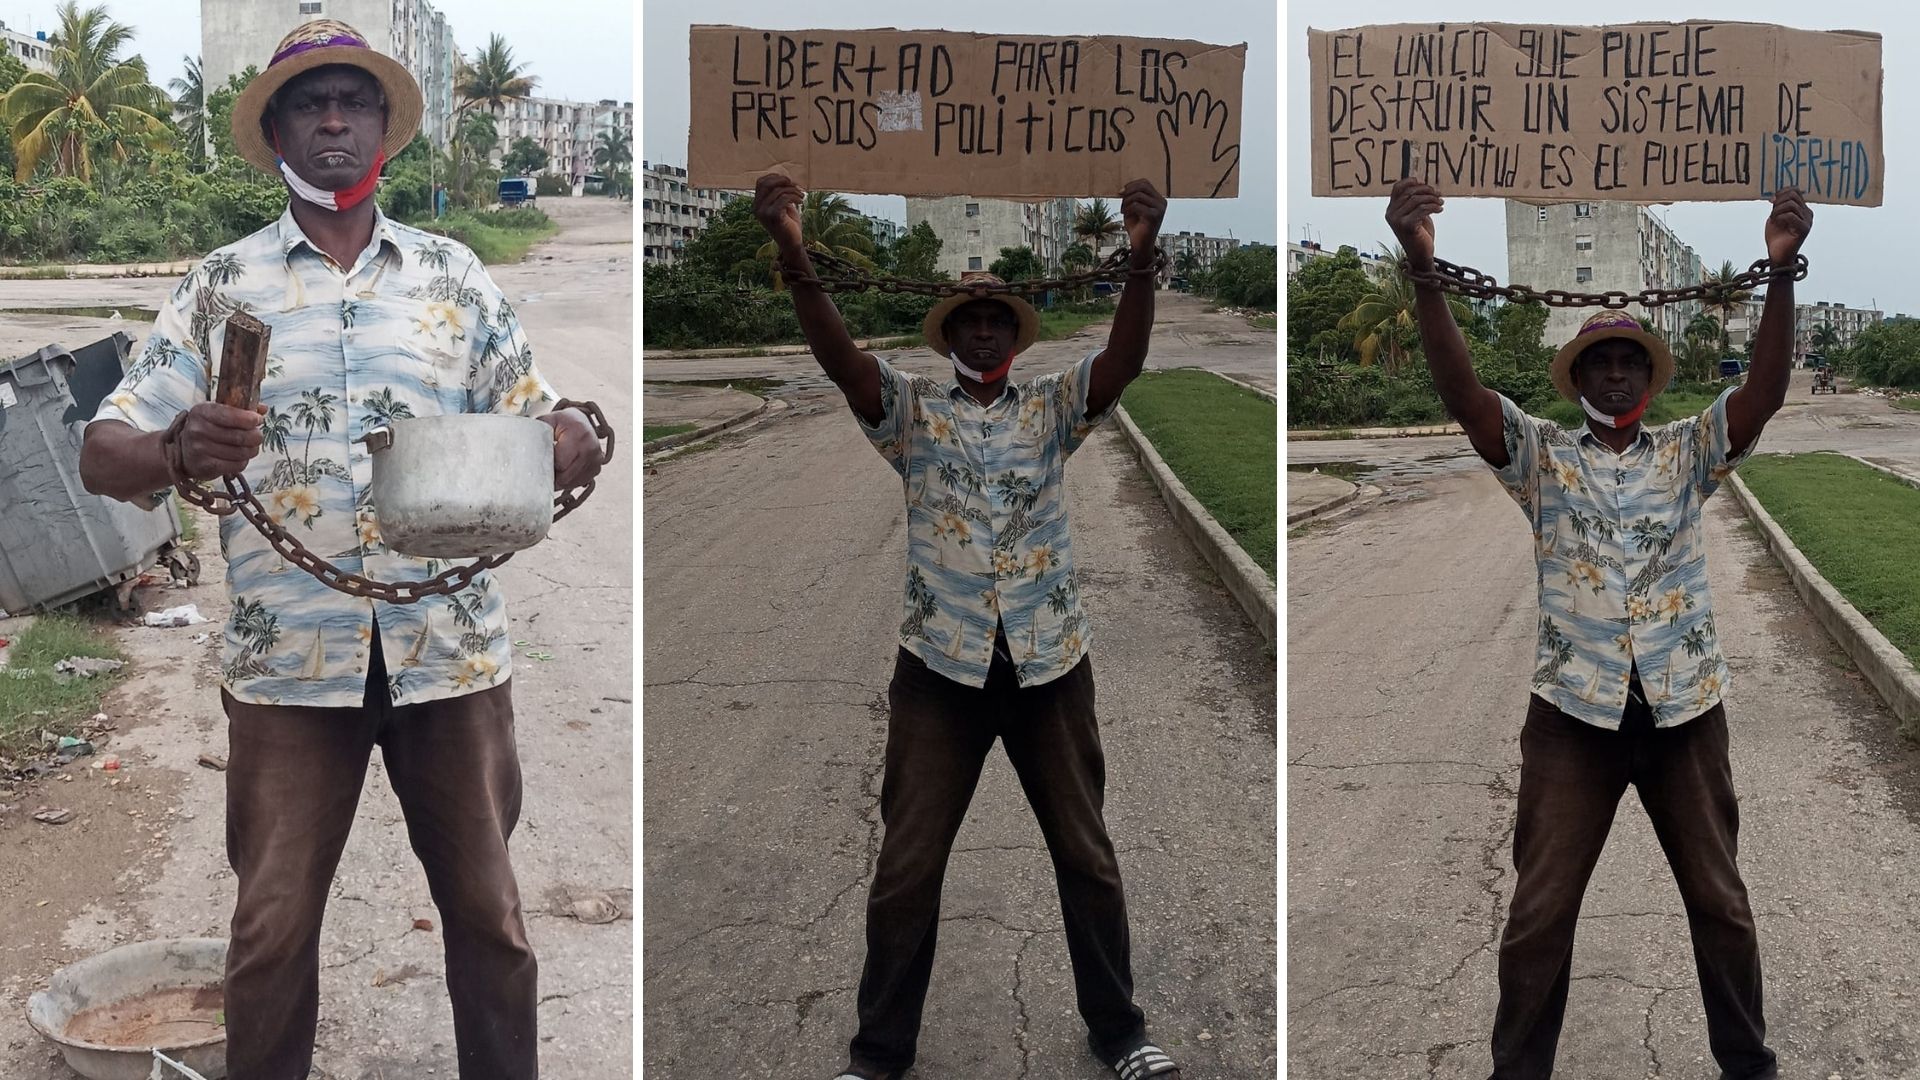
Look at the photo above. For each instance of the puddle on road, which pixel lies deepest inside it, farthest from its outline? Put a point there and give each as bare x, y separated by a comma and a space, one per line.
1350, 471
136, 313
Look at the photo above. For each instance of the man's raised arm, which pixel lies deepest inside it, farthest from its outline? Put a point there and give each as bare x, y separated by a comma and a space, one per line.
1142, 209
776, 203
1410, 211
1765, 388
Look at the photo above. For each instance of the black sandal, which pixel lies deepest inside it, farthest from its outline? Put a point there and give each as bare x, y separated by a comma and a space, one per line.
1143, 1061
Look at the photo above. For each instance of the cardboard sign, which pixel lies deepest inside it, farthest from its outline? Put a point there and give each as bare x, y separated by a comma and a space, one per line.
1640, 112
931, 112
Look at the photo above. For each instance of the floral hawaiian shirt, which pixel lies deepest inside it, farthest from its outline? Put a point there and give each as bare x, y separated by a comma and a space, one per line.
414, 327
1622, 562
987, 541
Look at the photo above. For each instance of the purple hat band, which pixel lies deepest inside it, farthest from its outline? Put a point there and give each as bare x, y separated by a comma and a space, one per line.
330, 42
1610, 320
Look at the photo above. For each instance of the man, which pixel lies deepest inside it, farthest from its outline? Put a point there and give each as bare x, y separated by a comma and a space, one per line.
371, 321
1628, 688
994, 641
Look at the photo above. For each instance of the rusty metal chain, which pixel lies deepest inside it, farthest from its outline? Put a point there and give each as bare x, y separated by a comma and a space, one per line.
239, 498
1468, 282
834, 274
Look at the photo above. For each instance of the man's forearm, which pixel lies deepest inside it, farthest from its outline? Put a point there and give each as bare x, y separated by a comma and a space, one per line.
1772, 366
820, 321
1132, 325
1446, 350
122, 463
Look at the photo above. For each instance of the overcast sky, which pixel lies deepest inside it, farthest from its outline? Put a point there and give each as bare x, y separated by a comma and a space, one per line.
663, 130
580, 50
1855, 252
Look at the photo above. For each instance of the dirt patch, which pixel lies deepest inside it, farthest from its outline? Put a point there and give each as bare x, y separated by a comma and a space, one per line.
174, 1016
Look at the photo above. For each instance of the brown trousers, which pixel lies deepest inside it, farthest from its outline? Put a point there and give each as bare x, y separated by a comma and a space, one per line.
1572, 775
293, 783
937, 743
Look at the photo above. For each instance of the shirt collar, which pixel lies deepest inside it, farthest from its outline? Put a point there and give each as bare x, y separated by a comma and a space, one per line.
291, 236
1639, 437
1008, 392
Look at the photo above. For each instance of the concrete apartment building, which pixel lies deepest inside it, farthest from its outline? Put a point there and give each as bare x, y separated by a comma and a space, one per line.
1847, 322
1599, 247
884, 230
236, 33
671, 213
1300, 254
567, 130
1206, 250
30, 49
973, 230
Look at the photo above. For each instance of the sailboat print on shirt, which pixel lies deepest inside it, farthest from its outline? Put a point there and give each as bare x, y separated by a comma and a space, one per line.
316, 663
419, 643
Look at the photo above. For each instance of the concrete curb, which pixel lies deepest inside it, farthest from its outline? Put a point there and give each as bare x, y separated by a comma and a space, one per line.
1244, 578
668, 442
1326, 507
1262, 391
1886, 668
1314, 435
103, 270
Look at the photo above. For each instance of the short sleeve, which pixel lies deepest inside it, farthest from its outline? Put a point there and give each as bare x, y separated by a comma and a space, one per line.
1709, 445
892, 435
1520, 434
167, 378
1067, 397
505, 378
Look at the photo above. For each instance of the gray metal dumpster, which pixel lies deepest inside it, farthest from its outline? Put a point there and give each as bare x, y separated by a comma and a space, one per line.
58, 542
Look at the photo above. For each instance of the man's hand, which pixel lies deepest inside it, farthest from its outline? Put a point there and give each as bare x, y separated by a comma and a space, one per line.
1410, 211
576, 449
776, 203
219, 440
1142, 208
1787, 226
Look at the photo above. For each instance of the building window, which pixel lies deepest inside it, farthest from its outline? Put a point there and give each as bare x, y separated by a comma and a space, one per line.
1583, 243
1543, 213
1582, 209
973, 262
1582, 274
973, 209
310, 7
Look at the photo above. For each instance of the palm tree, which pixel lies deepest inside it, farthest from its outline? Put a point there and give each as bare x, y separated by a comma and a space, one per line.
829, 223
1095, 223
1824, 338
492, 80
612, 153
1385, 317
1077, 257
90, 95
1725, 303
190, 108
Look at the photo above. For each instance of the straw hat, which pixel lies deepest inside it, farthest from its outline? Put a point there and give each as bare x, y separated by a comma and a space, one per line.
1604, 326
317, 44
935, 334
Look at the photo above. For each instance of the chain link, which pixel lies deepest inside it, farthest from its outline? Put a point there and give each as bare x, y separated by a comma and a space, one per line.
834, 274
239, 498
1468, 282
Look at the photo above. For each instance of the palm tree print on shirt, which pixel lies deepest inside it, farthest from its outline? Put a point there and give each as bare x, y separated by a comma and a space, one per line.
1019, 493
922, 605
1559, 649
259, 631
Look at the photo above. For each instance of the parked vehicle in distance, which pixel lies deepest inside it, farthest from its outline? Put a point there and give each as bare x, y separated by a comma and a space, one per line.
1823, 381
1732, 367
517, 191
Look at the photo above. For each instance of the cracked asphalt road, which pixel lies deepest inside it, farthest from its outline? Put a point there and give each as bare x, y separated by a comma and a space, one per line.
1410, 638
773, 564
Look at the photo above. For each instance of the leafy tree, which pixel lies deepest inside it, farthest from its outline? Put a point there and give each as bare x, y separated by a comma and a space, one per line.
1247, 277
91, 99
1095, 223
1727, 303
613, 156
190, 111
1886, 354
1318, 297
916, 255
829, 223
728, 249
1383, 323
524, 158
1017, 264
1517, 335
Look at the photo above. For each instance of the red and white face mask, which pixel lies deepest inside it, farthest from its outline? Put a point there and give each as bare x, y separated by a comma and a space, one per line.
994, 375
1627, 419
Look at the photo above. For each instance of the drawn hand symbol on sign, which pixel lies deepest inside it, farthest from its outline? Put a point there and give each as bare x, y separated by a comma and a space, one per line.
1184, 127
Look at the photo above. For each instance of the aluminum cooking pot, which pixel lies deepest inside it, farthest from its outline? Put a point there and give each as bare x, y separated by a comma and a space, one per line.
462, 485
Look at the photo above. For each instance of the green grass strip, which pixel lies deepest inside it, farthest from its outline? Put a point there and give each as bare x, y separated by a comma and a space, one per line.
650, 432
33, 697
1220, 440
1858, 526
